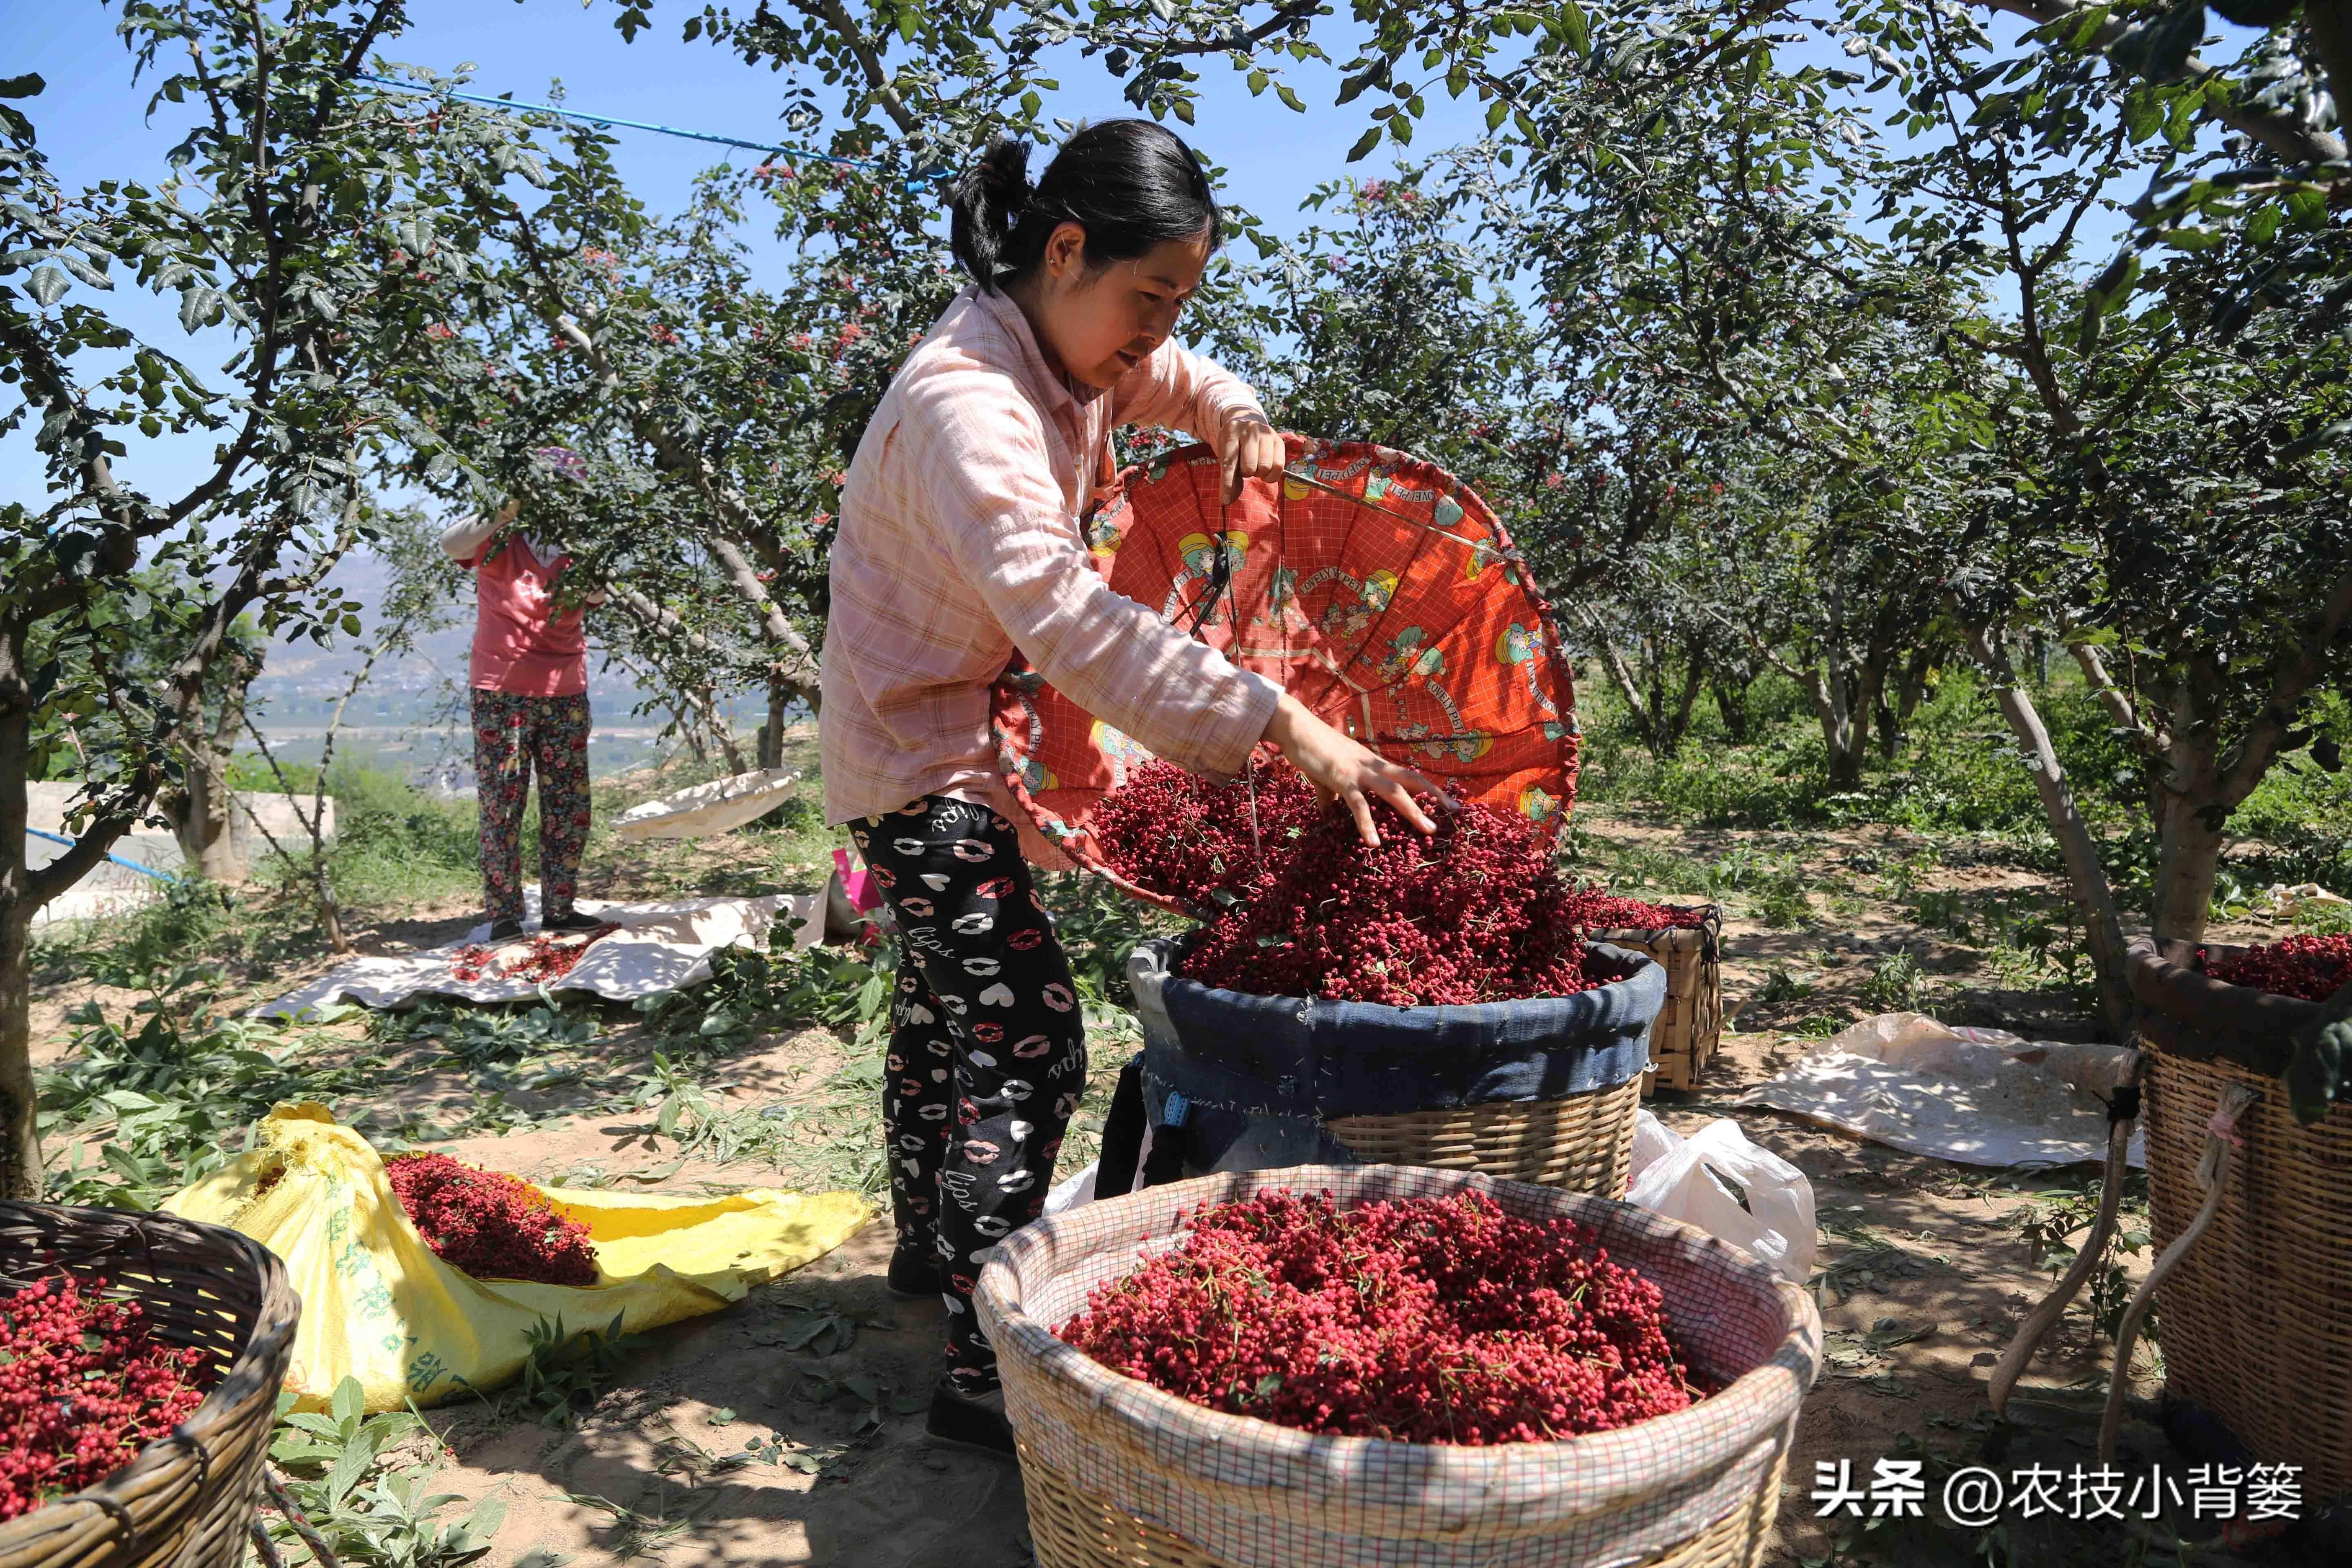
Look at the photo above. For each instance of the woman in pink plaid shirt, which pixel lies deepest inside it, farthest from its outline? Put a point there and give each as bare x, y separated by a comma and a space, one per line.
959, 543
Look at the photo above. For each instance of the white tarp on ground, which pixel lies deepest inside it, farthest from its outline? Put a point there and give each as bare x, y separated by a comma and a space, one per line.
659, 947
1979, 1097
706, 810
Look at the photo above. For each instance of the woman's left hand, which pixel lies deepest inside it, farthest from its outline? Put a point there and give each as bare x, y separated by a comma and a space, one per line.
1249, 450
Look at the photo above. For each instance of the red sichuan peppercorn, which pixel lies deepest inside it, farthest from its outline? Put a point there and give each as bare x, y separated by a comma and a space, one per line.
488, 1224
82, 1389
1425, 1320
2312, 967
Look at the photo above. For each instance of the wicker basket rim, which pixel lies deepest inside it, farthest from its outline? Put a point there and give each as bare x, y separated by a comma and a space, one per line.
280, 1310
1635, 961
1641, 1455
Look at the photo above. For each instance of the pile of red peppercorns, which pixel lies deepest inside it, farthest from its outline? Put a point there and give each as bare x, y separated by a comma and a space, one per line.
1475, 912
488, 1224
1425, 1320
82, 1389
1598, 911
2312, 967
1175, 834
546, 956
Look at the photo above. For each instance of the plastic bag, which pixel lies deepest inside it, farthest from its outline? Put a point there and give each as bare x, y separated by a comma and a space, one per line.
1684, 1178
379, 1306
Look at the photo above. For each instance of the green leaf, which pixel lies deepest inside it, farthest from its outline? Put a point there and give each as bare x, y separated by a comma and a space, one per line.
29, 84
1574, 28
1257, 80
1365, 144
1282, 91
348, 1403
1497, 112
47, 285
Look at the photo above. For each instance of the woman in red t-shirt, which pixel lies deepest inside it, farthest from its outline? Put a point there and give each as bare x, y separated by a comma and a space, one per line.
530, 676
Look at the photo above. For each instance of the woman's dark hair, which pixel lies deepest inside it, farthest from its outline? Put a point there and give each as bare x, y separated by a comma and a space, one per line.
1129, 184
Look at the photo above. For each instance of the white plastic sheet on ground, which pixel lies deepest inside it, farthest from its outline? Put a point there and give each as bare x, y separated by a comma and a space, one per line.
706, 810
1979, 1097
659, 947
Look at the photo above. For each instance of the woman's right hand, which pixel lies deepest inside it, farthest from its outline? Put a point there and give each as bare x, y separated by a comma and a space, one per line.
1341, 768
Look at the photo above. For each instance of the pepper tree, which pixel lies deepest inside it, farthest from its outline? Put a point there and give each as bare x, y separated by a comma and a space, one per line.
2158, 476
279, 226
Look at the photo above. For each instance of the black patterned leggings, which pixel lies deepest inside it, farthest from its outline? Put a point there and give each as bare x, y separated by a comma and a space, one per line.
988, 1051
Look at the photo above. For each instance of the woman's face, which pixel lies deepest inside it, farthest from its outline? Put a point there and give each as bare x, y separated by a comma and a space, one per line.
1102, 324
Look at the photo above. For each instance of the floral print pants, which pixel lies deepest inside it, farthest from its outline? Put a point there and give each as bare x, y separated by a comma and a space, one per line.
988, 1050
511, 733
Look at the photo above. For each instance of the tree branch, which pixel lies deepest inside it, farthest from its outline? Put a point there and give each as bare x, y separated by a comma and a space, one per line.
2103, 927
878, 80
2151, 740
2287, 134
2296, 677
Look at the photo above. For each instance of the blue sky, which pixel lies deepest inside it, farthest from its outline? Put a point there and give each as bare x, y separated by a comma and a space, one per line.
92, 125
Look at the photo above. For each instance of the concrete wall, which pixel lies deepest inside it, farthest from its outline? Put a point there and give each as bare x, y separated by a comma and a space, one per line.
111, 888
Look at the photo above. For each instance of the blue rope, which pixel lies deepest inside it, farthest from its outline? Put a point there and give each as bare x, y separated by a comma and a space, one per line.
607, 121
134, 865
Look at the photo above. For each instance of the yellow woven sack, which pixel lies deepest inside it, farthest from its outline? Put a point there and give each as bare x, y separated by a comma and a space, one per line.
379, 1306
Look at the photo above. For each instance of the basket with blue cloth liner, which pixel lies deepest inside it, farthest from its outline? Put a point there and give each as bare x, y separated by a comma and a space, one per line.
1544, 1089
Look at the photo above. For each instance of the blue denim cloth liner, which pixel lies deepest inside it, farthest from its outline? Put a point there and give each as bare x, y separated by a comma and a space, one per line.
1258, 1075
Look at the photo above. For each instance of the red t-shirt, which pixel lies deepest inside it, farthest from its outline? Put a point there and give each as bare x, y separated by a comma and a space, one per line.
519, 645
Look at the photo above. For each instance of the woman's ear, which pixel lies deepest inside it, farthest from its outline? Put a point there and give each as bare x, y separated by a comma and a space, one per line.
1065, 253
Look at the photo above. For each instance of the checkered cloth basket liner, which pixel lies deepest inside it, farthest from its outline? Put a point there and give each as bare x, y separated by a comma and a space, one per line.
1254, 1495
1397, 609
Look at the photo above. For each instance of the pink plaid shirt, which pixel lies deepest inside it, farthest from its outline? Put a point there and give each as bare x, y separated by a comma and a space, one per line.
959, 543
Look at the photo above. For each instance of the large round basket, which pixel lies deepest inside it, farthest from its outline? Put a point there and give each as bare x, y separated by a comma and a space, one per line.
1118, 1472
1544, 1090
2257, 1318
1581, 1141
187, 1500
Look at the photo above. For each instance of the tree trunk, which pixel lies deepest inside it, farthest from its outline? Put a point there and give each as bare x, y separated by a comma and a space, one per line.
204, 820
1731, 705
20, 1139
771, 733
212, 838
2102, 927
2188, 859
2191, 813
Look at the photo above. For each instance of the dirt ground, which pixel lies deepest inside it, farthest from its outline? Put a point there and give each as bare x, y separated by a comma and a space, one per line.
721, 1445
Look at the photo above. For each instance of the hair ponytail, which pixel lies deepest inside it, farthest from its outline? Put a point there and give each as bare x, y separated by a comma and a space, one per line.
988, 200
1129, 184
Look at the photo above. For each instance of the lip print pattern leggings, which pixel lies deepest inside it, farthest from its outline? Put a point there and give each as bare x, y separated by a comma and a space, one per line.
988, 1052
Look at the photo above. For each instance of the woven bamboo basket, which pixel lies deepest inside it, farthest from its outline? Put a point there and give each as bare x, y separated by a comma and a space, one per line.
2257, 1319
1119, 1473
186, 1500
1690, 1025
1583, 1143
